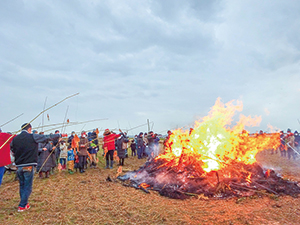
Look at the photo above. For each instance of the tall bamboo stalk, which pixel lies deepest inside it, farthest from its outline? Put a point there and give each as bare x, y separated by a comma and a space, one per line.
38, 116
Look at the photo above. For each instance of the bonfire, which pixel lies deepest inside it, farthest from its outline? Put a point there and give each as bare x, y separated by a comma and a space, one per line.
214, 160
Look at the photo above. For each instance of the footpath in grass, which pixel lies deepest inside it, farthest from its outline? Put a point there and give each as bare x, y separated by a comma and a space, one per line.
89, 199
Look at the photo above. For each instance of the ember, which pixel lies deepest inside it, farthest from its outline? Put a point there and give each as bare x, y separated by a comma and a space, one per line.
213, 160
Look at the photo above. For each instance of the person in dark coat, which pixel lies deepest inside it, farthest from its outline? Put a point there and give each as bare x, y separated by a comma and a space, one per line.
150, 138
25, 149
133, 147
140, 145
44, 152
83, 153
121, 144
71, 137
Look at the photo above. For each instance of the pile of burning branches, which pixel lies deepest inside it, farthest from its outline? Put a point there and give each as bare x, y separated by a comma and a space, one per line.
213, 160
243, 180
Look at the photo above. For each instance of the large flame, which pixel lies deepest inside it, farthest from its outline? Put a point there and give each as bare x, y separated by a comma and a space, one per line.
213, 144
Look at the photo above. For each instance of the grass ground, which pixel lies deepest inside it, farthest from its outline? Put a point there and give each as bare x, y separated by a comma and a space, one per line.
89, 199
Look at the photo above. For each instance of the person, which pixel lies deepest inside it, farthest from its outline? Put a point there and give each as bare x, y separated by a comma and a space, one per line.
57, 149
109, 146
145, 148
25, 149
71, 158
290, 144
166, 141
150, 138
93, 151
43, 166
133, 146
70, 138
140, 145
63, 154
5, 158
156, 145
83, 153
297, 141
282, 145
121, 144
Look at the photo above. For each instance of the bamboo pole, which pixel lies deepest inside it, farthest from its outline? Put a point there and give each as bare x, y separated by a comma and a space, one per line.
38, 116
11, 120
43, 113
75, 123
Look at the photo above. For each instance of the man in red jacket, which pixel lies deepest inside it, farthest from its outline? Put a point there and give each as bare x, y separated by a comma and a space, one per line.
4, 152
109, 146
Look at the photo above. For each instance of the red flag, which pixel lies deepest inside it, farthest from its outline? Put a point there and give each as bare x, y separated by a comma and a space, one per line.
5, 150
68, 121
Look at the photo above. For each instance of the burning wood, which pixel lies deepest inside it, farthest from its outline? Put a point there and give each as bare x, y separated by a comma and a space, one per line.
213, 160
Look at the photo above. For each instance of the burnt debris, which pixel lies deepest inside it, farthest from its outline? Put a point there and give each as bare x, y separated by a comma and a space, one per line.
236, 180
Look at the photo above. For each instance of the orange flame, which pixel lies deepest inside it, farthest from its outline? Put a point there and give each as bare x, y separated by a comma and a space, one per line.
144, 185
213, 145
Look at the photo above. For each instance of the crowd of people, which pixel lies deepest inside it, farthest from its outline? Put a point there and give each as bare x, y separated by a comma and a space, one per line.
289, 144
32, 152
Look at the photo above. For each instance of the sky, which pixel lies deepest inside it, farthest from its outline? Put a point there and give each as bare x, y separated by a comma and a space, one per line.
163, 61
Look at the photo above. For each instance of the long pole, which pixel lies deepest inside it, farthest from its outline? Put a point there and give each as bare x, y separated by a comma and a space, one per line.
43, 113
38, 116
148, 125
11, 120
71, 123
64, 120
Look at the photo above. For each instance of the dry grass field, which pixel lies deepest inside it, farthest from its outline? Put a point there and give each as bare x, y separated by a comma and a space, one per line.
89, 199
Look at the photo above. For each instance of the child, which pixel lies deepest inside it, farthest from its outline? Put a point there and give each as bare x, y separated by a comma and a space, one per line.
93, 152
71, 158
133, 148
63, 155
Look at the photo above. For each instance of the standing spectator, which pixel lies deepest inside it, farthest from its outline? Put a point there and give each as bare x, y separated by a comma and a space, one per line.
57, 149
63, 154
151, 139
290, 144
43, 166
145, 148
71, 159
140, 145
109, 146
121, 144
156, 145
25, 149
4, 153
82, 154
93, 151
133, 146
166, 141
297, 141
71, 137
282, 147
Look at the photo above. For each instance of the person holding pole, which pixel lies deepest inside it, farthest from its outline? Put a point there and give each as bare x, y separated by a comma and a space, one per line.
25, 149
109, 146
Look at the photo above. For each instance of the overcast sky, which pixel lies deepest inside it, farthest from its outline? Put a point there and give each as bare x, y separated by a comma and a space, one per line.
167, 61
